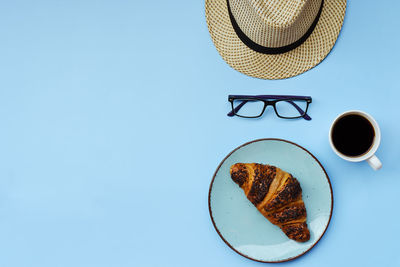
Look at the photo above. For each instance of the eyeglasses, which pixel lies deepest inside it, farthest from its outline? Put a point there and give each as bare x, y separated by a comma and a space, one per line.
285, 106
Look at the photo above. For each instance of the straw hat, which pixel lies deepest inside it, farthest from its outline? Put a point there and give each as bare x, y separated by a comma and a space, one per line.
274, 39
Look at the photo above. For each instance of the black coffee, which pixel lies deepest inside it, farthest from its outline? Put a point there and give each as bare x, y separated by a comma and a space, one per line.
353, 135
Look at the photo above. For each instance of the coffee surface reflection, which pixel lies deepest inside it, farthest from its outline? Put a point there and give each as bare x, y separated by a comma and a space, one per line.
353, 135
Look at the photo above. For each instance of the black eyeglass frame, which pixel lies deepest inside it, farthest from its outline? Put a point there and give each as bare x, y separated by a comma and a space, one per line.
270, 100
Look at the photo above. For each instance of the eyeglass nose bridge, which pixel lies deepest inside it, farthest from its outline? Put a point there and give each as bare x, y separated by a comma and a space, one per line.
268, 103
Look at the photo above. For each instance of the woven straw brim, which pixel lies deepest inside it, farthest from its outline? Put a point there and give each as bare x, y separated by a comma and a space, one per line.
281, 66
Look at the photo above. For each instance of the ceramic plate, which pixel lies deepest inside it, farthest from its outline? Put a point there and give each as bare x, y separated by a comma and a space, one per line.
242, 226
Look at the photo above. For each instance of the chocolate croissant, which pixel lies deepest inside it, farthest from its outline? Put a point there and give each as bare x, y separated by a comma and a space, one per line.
276, 194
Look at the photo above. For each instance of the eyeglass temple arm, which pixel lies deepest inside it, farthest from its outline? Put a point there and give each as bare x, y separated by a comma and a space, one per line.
306, 117
231, 114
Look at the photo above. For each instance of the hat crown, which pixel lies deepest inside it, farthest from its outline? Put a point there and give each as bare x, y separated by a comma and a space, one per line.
274, 23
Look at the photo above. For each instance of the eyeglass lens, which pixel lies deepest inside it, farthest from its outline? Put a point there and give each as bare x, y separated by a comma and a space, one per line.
248, 108
291, 108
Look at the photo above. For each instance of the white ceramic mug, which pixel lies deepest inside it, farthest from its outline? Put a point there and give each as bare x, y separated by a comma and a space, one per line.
369, 156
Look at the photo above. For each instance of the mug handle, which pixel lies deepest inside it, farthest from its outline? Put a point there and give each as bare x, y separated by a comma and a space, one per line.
374, 162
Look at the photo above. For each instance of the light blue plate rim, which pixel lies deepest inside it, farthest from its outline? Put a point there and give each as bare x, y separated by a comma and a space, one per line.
212, 182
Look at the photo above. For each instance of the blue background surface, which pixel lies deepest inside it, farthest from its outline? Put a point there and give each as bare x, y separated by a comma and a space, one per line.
113, 121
